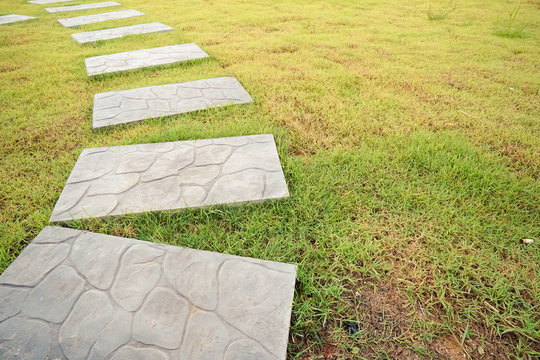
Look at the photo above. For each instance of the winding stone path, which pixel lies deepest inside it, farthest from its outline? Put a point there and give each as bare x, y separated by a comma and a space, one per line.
173, 175
98, 5
81, 295
125, 106
11, 18
89, 19
143, 58
107, 34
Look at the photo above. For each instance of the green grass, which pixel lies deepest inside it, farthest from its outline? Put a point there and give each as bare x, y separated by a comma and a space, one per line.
441, 12
410, 147
511, 28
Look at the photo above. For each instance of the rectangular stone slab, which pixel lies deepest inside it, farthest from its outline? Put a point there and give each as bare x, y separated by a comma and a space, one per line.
89, 19
143, 58
59, 9
11, 18
125, 106
107, 34
173, 175
81, 295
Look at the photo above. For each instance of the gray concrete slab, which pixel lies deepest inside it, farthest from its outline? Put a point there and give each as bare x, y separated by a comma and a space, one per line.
114, 33
143, 58
73, 294
125, 106
11, 18
119, 180
58, 9
94, 18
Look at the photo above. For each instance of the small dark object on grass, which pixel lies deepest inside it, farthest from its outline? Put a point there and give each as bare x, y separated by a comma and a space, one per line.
351, 327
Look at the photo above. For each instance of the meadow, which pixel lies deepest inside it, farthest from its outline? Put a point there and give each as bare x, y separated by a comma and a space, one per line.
409, 134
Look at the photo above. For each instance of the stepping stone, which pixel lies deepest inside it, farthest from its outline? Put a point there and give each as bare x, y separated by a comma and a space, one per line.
45, 2
89, 19
143, 58
81, 7
125, 106
127, 179
107, 34
11, 18
73, 294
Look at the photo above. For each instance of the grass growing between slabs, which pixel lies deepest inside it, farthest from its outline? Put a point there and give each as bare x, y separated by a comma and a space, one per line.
410, 147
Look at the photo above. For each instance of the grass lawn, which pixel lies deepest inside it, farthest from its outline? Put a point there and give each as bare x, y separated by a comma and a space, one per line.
411, 148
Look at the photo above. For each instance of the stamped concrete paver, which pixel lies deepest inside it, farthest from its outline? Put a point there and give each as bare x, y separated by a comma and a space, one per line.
174, 175
89, 19
107, 34
11, 18
98, 5
143, 58
125, 106
199, 305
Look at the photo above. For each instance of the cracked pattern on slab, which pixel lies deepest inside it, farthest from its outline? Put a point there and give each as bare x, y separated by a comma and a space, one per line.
108, 297
125, 106
174, 175
58, 9
11, 18
89, 19
107, 34
143, 58
45, 2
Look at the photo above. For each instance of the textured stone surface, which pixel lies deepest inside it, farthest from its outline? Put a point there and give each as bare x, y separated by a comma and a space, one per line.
205, 325
247, 311
193, 279
13, 298
167, 176
143, 58
133, 353
246, 350
107, 34
58, 9
89, 19
53, 298
139, 272
91, 314
34, 263
11, 18
86, 254
115, 334
65, 317
125, 106
23, 339
154, 324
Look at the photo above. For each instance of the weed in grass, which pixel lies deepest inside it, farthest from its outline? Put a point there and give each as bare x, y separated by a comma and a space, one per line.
510, 28
441, 13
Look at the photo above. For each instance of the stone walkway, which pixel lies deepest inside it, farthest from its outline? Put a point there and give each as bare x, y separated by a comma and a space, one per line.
143, 58
11, 18
98, 5
78, 295
107, 34
125, 106
165, 176
81, 295
90, 19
